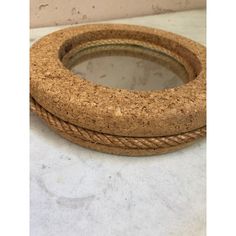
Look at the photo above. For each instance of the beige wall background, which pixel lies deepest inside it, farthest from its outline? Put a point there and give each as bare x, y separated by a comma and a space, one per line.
61, 12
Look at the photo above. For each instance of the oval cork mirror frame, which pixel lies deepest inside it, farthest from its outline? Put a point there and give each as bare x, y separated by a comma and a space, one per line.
112, 120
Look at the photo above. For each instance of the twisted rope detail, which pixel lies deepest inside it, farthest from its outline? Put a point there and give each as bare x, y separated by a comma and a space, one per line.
113, 140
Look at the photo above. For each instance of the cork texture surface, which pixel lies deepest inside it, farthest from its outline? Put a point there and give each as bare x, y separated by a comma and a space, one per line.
118, 111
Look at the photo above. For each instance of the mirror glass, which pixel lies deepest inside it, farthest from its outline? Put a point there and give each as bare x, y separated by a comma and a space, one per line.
128, 67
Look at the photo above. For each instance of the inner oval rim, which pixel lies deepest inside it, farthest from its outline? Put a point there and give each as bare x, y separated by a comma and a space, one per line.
70, 47
100, 49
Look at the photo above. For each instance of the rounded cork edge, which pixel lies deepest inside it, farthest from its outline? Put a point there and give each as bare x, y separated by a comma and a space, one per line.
117, 111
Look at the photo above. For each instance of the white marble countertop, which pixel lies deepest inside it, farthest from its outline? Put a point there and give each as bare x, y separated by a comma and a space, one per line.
80, 192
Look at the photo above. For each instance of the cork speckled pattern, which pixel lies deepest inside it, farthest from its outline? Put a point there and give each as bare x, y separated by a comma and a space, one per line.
118, 112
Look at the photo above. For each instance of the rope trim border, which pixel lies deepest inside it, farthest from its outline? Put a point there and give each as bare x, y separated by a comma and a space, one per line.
112, 140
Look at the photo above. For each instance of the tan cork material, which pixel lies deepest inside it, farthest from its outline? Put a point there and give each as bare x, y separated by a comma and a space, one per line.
118, 121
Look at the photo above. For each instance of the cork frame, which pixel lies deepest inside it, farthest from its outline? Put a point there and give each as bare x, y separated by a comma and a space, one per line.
118, 114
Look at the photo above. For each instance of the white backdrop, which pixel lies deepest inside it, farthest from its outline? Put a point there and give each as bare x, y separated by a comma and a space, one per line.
60, 12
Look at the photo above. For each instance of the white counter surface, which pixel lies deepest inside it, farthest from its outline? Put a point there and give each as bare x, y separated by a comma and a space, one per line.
80, 192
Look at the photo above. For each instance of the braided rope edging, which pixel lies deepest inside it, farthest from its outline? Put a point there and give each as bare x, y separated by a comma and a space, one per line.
113, 140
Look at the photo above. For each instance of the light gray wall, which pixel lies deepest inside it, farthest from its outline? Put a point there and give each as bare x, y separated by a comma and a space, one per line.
60, 12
